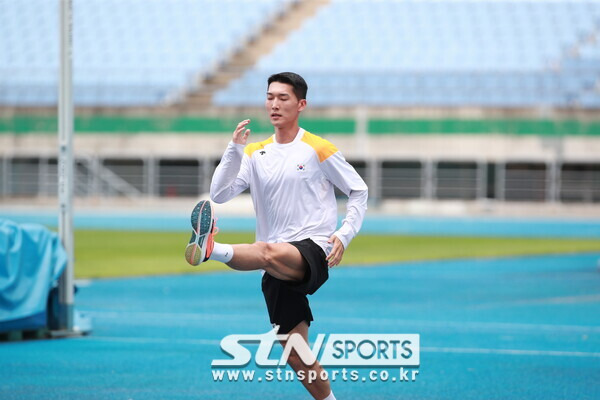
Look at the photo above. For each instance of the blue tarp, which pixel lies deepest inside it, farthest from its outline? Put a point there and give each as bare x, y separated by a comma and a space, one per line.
31, 261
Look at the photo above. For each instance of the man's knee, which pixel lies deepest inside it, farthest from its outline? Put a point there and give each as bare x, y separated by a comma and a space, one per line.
266, 252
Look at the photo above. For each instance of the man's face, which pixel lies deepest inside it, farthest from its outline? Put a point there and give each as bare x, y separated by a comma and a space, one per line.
282, 104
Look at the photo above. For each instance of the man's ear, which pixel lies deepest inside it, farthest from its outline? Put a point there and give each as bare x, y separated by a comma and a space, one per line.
301, 105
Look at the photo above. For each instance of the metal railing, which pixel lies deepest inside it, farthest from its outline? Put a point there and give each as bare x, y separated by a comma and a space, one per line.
387, 179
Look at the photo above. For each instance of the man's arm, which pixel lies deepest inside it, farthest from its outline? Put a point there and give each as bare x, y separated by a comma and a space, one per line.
344, 176
231, 177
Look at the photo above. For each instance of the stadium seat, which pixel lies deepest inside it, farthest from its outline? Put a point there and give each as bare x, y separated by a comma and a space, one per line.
126, 52
499, 53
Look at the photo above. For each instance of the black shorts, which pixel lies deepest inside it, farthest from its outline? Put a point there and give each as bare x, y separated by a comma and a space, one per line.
286, 301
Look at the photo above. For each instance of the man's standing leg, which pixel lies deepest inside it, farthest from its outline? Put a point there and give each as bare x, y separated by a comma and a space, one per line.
319, 388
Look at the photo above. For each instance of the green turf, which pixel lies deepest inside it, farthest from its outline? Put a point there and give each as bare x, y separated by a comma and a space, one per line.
118, 253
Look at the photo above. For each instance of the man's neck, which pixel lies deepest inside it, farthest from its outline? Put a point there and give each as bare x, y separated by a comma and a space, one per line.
285, 135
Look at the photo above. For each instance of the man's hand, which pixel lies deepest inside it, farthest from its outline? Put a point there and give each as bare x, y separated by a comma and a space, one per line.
337, 252
240, 135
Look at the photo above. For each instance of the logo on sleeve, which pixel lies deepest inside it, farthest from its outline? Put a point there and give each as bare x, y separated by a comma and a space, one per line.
301, 167
262, 152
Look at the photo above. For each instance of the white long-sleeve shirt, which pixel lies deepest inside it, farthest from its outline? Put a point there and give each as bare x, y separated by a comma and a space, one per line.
292, 188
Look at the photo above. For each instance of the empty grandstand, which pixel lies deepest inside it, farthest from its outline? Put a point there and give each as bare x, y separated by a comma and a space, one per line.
497, 53
126, 52
452, 53
430, 99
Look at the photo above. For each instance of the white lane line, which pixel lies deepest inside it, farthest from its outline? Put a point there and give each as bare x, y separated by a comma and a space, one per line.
592, 298
151, 340
512, 352
455, 350
166, 315
406, 324
464, 325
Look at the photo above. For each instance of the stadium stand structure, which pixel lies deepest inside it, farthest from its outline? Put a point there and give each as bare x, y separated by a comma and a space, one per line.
402, 53
493, 53
274, 33
476, 101
126, 52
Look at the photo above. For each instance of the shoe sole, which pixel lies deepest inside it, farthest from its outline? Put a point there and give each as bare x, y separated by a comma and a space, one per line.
202, 223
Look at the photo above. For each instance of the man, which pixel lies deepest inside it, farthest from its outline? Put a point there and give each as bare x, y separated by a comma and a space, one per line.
291, 177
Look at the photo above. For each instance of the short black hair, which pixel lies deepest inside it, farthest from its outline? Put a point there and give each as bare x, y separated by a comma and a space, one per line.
298, 83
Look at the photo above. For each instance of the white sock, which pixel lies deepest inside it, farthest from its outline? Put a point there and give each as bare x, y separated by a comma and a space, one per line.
222, 252
330, 397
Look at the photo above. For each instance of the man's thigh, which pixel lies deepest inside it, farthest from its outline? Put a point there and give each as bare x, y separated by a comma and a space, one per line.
286, 262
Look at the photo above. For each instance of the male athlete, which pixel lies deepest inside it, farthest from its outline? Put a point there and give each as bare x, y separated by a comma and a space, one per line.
291, 177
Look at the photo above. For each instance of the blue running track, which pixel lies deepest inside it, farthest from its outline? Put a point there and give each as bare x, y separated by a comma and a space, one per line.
517, 328
373, 224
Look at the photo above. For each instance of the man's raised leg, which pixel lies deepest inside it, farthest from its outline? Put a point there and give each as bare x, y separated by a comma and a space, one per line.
281, 260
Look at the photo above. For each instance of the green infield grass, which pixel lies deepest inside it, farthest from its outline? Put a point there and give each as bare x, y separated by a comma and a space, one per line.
123, 253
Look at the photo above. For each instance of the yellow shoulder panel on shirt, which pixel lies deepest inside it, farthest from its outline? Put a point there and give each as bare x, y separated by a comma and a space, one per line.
324, 148
252, 147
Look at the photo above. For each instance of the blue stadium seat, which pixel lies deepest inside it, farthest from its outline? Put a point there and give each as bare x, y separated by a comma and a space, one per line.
499, 53
126, 52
